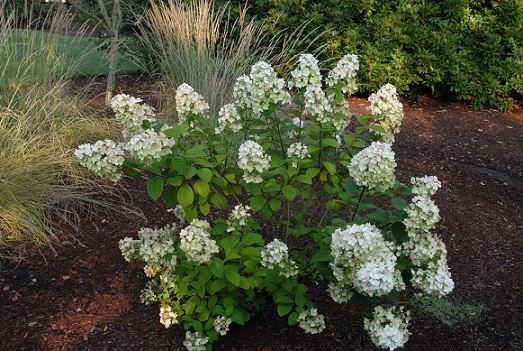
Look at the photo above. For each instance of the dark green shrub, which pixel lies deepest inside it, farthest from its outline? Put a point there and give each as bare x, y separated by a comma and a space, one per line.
466, 50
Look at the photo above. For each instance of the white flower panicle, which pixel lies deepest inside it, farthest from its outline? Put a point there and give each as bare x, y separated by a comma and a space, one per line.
196, 242
130, 113
276, 254
306, 73
388, 328
252, 160
373, 167
179, 213
317, 104
345, 73
341, 117
363, 260
427, 247
435, 280
238, 217
221, 325
148, 294
425, 186
153, 246
311, 321
229, 118
241, 92
340, 292
167, 316
299, 151
195, 342
388, 111
298, 122
104, 158
189, 102
260, 89
149, 146
422, 215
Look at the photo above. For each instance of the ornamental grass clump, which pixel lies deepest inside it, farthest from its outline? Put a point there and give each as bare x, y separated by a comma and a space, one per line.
42, 187
206, 47
292, 163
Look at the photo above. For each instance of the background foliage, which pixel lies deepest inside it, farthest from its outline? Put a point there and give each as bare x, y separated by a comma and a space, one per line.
467, 50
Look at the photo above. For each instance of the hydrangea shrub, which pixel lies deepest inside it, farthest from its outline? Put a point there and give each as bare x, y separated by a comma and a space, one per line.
300, 160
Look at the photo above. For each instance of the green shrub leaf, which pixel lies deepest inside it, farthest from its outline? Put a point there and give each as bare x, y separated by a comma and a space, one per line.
155, 187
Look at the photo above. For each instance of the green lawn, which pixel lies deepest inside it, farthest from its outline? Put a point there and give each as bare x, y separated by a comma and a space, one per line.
30, 53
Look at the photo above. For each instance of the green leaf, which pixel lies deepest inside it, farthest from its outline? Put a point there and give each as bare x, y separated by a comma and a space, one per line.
330, 167
293, 318
205, 208
216, 286
212, 302
313, 172
185, 195
205, 174
179, 165
267, 213
400, 232
394, 296
196, 152
290, 192
378, 128
176, 131
170, 197
175, 181
237, 317
251, 251
251, 238
332, 204
232, 275
329, 142
217, 268
201, 187
155, 187
275, 204
399, 204
257, 202
219, 200
304, 179
284, 309
300, 300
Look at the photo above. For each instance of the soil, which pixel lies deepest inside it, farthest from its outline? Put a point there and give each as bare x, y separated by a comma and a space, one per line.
84, 296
